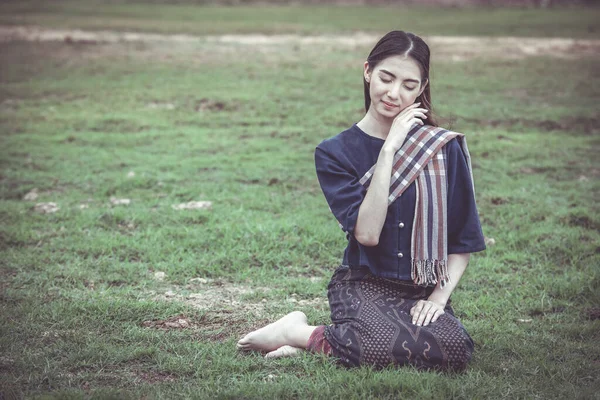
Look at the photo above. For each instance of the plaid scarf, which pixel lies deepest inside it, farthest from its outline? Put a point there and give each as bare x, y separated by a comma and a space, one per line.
420, 159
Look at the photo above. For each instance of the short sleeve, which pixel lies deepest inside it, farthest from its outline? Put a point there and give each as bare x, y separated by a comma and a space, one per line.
464, 228
341, 188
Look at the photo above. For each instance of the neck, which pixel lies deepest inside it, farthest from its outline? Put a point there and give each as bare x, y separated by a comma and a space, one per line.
375, 125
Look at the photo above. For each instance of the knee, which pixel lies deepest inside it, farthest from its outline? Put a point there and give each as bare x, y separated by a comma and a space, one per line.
460, 354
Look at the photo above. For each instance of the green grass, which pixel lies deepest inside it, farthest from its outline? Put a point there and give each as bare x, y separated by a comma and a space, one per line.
272, 19
194, 123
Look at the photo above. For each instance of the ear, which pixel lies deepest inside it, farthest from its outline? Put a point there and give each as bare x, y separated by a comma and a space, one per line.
423, 86
367, 72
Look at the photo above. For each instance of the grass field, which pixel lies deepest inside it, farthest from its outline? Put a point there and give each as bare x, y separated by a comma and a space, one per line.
193, 18
84, 313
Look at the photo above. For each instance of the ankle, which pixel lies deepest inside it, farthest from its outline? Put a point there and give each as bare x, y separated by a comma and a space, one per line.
301, 335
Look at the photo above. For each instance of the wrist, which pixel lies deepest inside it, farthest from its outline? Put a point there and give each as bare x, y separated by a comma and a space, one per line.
388, 151
438, 300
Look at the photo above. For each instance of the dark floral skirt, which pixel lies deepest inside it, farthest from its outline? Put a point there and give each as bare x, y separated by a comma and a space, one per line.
371, 325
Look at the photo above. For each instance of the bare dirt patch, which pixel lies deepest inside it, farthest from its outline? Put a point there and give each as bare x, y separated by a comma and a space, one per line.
228, 312
176, 322
593, 313
218, 297
214, 326
155, 376
227, 297
219, 326
455, 48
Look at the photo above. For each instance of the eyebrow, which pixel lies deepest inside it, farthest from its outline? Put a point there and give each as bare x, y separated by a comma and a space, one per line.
393, 76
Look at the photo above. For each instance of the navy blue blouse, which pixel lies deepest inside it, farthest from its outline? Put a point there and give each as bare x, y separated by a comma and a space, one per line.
343, 159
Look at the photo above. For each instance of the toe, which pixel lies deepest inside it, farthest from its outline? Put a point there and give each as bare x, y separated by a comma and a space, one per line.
272, 354
284, 351
275, 353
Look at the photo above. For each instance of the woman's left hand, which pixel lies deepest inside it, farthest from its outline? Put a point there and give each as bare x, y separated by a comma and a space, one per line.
425, 311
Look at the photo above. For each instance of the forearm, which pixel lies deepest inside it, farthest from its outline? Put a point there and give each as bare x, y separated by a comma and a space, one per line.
457, 263
373, 209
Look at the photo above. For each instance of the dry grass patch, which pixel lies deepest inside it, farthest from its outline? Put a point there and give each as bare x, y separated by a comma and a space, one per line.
76, 46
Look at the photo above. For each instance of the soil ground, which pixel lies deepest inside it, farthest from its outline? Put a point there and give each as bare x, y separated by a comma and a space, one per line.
456, 48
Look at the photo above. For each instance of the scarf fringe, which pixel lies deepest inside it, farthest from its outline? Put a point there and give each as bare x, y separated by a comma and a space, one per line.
427, 272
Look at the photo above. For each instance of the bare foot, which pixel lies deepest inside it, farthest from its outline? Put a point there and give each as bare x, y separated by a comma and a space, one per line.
285, 351
275, 335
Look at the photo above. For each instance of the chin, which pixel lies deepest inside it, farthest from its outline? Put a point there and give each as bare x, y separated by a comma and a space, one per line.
389, 113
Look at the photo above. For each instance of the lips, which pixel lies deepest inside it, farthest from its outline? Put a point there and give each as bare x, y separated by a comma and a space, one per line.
390, 105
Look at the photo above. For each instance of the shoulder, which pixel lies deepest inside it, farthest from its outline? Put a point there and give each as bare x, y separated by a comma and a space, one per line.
454, 144
435, 137
348, 140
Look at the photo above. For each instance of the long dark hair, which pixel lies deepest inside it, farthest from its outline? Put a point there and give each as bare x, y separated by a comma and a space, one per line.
400, 43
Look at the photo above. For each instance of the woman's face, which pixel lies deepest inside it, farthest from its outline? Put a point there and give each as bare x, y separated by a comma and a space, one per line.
394, 84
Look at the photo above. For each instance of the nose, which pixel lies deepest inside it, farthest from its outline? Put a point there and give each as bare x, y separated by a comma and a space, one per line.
394, 91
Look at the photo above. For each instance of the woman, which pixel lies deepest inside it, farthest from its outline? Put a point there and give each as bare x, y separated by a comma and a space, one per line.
401, 188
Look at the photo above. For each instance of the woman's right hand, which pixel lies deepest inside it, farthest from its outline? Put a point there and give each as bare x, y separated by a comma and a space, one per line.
402, 124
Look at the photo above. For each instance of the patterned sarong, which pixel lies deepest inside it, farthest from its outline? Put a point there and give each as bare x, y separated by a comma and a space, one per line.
372, 325
420, 159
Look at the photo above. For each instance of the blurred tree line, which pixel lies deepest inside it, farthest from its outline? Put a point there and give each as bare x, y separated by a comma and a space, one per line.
440, 3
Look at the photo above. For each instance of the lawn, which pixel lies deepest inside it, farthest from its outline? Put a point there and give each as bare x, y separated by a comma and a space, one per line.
142, 300
195, 17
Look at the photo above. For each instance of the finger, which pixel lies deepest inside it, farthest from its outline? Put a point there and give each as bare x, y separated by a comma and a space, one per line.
422, 110
408, 109
412, 108
437, 315
433, 317
416, 316
413, 310
406, 113
416, 311
423, 314
418, 305
404, 119
432, 311
409, 116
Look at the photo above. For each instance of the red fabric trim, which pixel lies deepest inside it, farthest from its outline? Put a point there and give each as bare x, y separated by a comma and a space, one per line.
317, 342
